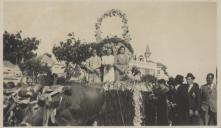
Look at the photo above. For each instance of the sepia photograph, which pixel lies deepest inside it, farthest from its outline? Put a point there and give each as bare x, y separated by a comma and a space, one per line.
109, 63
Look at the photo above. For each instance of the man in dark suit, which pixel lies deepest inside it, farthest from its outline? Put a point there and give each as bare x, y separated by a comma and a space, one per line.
161, 93
209, 100
178, 102
189, 94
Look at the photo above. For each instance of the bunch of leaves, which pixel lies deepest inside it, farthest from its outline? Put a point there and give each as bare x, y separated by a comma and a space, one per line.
33, 67
17, 49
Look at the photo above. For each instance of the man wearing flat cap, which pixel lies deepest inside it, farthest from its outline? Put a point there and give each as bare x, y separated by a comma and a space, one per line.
190, 97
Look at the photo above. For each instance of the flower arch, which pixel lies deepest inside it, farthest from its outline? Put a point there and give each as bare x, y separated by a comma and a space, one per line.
111, 13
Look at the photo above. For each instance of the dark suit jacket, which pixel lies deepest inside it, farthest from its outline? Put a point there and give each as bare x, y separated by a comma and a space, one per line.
191, 99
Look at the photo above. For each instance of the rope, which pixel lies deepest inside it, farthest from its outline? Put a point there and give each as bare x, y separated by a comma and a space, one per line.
122, 118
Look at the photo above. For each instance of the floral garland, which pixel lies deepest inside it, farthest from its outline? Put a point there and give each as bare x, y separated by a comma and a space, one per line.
110, 13
138, 103
127, 85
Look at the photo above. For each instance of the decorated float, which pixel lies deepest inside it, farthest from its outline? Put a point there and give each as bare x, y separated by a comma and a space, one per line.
127, 102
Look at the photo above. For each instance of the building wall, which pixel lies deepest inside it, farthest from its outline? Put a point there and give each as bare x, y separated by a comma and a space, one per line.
12, 74
150, 68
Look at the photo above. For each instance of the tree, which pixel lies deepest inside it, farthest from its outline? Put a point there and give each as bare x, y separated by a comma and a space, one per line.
33, 67
17, 49
72, 50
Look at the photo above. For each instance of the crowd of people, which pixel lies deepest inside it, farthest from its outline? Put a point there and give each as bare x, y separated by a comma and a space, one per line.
178, 102
186, 103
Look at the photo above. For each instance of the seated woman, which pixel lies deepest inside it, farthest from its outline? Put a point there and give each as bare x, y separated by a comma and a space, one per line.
107, 63
121, 64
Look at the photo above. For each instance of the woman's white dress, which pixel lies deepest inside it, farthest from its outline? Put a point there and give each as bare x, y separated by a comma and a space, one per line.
108, 72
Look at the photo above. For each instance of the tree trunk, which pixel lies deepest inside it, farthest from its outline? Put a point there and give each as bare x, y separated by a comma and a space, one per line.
16, 61
22, 59
67, 71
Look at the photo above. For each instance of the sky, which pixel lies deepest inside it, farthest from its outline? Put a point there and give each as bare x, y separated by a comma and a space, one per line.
181, 35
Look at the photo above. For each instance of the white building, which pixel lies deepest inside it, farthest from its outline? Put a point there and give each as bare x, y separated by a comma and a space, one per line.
45, 59
11, 73
58, 68
148, 66
55, 66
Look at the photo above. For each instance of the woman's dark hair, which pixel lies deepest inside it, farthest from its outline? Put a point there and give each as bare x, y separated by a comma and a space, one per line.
118, 52
161, 81
179, 79
190, 75
93, 50
110, 49
171, 81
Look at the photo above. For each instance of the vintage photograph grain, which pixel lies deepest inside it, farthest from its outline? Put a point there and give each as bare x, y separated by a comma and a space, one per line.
109, 63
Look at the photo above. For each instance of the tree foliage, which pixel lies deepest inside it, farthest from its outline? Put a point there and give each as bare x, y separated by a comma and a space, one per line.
17, 49
33, 67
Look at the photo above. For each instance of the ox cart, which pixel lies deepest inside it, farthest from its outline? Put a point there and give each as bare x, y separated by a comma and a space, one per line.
107, 104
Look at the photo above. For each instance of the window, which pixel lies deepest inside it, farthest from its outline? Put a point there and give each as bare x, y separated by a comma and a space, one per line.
147, 71
158, 72
6, 72
152, 72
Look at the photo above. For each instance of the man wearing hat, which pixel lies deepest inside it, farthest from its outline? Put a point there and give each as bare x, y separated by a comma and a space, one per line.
189, 94
161, 92
178, 81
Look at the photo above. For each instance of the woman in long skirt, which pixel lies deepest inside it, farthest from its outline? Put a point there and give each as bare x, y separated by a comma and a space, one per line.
121, 64
108, 62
